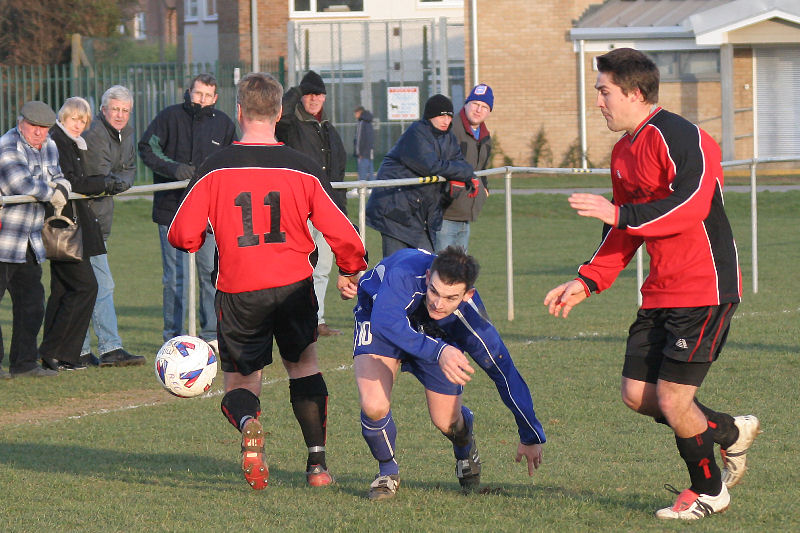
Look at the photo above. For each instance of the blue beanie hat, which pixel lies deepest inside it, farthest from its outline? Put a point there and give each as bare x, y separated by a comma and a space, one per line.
482, 93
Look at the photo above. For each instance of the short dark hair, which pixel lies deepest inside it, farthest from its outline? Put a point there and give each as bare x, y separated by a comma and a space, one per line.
259, 96
359, 108
631, 69
454, 266
205, 79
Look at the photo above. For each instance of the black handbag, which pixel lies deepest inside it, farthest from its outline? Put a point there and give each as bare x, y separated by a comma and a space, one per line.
63, 239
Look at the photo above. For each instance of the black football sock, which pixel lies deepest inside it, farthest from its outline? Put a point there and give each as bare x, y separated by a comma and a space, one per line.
698, 454
238, 405
309, 397
722, 427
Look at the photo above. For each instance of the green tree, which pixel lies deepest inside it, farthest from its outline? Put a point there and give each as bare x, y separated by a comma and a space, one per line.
38, 32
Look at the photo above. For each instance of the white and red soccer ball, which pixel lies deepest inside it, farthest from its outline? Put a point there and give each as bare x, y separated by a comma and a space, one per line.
186, 366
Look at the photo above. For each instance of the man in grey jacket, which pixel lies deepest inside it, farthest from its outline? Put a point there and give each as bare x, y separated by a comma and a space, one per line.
110, 153
476, 145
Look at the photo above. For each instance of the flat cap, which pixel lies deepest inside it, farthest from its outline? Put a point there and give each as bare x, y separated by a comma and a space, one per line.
38, 113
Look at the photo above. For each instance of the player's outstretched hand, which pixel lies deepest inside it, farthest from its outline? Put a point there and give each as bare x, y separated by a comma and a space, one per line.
348, 286
455, 366
593, 205
563, 298
532, 454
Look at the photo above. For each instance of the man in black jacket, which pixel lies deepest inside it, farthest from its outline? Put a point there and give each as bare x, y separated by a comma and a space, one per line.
305, 127
177, 141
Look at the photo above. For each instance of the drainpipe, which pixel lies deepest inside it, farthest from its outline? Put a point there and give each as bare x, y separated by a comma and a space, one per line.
474, 13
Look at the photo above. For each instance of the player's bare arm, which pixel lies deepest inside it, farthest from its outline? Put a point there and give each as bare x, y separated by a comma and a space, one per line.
348, 286
532, 454
562, 299
455, 365
594, 205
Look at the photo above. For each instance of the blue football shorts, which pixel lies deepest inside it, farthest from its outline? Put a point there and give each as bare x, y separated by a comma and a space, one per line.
427, 373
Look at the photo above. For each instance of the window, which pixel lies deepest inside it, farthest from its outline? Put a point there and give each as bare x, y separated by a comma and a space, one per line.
327, 6
191, 9
694, 65
211, 9
139, 28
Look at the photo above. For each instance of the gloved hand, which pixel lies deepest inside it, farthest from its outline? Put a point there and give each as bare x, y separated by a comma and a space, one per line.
120, 186
184, 172
110, 182
475, 187
59, 198
115, 186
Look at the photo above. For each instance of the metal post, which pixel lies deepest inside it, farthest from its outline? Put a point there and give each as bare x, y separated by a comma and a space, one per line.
192, 296
366, 82
509, 248
474, 31
639, 275
444, 66
362, 211
254, 34
582, 104
754, 224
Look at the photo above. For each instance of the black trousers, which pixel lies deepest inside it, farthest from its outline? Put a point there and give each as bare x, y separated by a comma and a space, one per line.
24, 283
73, 289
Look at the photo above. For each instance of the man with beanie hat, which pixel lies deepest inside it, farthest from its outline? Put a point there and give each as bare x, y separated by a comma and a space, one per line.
409, 216
29, 166
305, 127
476, 145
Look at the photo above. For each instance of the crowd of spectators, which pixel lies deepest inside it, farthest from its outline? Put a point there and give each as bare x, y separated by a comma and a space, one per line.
49, 155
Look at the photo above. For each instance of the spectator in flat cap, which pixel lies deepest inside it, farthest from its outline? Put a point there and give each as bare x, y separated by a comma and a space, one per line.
476, 145
409, 216
29, 166
306, 127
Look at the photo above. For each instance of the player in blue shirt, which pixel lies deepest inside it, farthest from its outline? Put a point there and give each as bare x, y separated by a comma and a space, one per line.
420, 312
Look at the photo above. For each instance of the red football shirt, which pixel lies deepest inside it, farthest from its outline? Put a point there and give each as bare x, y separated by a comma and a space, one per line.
258, 198
667, 184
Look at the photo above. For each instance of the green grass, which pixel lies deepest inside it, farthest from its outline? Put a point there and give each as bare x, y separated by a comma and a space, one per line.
108, 450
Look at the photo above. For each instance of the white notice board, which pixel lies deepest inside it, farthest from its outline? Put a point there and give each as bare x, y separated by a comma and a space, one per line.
402, 103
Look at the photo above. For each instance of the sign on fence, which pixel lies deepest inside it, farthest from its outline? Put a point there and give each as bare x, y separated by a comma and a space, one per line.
403, 103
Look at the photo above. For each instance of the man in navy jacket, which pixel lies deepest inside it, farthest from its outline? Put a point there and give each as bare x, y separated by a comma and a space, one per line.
409, 216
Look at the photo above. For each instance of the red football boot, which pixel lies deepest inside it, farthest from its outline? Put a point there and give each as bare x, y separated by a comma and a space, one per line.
254, 466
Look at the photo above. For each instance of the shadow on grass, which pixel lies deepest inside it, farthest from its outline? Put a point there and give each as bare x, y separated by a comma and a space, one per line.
359, 486
162, 469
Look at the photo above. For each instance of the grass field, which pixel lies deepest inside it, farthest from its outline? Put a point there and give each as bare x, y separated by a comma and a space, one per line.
108, 450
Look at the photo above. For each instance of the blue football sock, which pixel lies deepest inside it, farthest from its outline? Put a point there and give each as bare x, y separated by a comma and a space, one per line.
462, 452
380, 436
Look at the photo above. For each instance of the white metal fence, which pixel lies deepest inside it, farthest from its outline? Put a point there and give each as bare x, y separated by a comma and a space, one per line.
361, 188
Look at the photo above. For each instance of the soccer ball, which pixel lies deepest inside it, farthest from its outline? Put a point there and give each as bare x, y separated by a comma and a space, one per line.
186, 366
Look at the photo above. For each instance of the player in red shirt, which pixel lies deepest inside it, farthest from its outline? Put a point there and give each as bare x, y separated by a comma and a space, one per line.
667, 194
258, 195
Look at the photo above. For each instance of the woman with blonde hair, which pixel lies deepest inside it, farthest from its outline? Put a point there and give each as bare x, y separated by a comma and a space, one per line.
73, 287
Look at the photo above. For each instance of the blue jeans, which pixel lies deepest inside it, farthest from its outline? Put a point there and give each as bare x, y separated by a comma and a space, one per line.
366, 171
104, 316
204, 259
175, 287
452, 233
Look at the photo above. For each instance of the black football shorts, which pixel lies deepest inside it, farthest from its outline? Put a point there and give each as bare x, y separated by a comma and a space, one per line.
248, 321
676, 344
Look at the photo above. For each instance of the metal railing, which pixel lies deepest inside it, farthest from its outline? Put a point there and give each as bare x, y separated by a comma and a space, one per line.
361, 188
